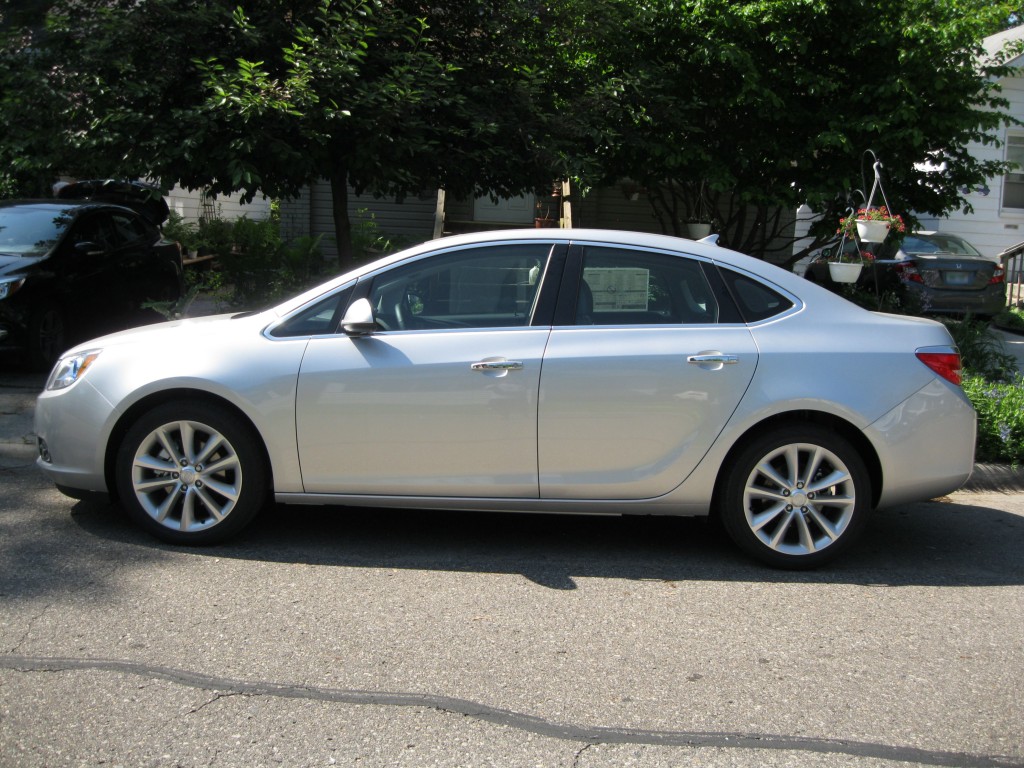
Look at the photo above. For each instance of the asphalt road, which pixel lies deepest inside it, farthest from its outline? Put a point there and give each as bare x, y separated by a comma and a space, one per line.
381, 638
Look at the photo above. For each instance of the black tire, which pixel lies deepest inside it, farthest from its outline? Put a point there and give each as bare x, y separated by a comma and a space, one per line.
796, 497
212, 486
47, 336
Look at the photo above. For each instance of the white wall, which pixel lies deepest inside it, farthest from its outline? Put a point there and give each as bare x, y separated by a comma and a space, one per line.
187, 203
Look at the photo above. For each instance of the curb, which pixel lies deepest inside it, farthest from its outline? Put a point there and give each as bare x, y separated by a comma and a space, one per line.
1001, 478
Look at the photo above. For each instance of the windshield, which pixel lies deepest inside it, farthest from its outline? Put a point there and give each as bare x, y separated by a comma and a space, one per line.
32, 230
938, 243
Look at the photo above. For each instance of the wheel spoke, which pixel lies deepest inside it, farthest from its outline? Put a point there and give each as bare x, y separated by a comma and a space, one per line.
833, 478
766, 469
155, 464
155, 484
218, 512
760, 520
227, 463
164, 437
213, 443
228, 491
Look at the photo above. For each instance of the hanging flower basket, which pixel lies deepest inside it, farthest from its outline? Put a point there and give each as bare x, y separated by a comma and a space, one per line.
871, 225
844, 272
872, 231
698, 229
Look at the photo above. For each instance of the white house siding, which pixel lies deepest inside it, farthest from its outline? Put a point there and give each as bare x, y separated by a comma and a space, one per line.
991, 228
310, 214
189, 204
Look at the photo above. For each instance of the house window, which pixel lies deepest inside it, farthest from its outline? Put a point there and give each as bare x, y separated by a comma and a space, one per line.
1013, 183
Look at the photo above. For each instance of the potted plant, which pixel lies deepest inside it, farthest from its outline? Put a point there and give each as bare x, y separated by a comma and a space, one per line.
845, 266
871, 225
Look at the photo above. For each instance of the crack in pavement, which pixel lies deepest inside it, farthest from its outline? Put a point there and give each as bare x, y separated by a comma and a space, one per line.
589, 735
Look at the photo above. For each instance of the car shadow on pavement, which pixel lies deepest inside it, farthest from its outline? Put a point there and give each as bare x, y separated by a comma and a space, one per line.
937, 543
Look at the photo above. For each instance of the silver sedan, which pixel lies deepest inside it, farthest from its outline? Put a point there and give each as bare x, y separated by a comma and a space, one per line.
574, 371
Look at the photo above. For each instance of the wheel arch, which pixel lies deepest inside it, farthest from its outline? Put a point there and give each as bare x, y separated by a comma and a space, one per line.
129, 417
817, 418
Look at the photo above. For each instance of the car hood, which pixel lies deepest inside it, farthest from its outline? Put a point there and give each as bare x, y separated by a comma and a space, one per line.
178, 334
10, 265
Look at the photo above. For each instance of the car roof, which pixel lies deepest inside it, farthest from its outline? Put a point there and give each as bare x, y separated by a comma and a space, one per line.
62, 205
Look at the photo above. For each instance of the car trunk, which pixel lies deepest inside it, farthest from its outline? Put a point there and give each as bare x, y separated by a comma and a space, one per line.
954, 273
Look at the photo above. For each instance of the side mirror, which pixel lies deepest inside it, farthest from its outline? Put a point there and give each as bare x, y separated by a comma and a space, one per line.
358, 320
88, 248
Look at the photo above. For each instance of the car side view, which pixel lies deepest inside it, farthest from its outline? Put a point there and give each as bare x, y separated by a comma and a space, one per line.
557, 371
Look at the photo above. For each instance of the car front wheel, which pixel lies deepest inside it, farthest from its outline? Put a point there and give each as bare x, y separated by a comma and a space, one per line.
191, 473
796, 497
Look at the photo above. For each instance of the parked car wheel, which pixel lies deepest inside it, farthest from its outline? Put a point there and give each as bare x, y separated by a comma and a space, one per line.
47, 336
796, 497
191, 474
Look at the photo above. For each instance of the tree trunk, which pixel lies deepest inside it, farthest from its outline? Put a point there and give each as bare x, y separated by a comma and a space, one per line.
342, 223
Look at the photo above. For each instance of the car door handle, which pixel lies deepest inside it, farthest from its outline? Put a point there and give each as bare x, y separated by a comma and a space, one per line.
497, 365
714, 358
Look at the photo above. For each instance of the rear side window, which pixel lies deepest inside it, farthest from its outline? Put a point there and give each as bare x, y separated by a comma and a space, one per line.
623, 286
756, 301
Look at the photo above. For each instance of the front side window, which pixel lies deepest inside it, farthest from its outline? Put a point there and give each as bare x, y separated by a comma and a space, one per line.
622, 286
487, 287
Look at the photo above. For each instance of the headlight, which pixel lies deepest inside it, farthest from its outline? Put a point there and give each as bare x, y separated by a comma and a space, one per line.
70, 369
7, 287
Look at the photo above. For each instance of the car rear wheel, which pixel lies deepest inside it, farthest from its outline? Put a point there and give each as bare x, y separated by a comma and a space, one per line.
47, 336
796, 497
190, 473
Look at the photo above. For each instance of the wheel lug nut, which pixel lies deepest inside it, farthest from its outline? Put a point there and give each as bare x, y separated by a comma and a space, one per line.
199, 483
175, 475
789, 507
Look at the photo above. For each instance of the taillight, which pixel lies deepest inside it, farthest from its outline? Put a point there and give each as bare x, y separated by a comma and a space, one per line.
908, 272
998, 276
946, 364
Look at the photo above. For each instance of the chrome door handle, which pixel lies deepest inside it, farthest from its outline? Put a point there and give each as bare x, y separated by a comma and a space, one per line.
723, 359
497, 365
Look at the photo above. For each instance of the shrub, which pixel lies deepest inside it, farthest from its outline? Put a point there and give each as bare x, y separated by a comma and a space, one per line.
1000, 407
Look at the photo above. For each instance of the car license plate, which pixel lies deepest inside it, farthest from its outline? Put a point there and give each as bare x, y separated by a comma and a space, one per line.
958, 278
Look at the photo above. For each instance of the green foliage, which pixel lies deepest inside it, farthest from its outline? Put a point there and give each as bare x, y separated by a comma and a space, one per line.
1011, 318
981, 352
181, 231
768, 104
751, 107
370, 242
1000, 407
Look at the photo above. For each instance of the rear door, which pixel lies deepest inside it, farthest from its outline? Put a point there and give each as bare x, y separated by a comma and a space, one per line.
639, 383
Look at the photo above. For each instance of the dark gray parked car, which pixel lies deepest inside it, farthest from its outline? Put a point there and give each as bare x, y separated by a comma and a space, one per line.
944, 273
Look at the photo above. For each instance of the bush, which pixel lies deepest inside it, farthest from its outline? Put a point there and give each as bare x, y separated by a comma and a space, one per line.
1000, 407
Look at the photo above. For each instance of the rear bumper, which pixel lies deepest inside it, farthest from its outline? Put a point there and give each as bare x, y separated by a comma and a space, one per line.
925, 444
988, 301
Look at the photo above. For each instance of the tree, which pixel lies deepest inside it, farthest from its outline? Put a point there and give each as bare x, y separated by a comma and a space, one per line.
384, 95
754, 108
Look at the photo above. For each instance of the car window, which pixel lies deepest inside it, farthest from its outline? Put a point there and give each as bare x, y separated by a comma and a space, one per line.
95, 229
321, 317
30, 230
486, 287
756, 300
938, 243
623, 286
128, 230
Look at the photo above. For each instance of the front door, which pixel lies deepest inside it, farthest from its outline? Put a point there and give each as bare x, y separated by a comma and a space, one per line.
443, 400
